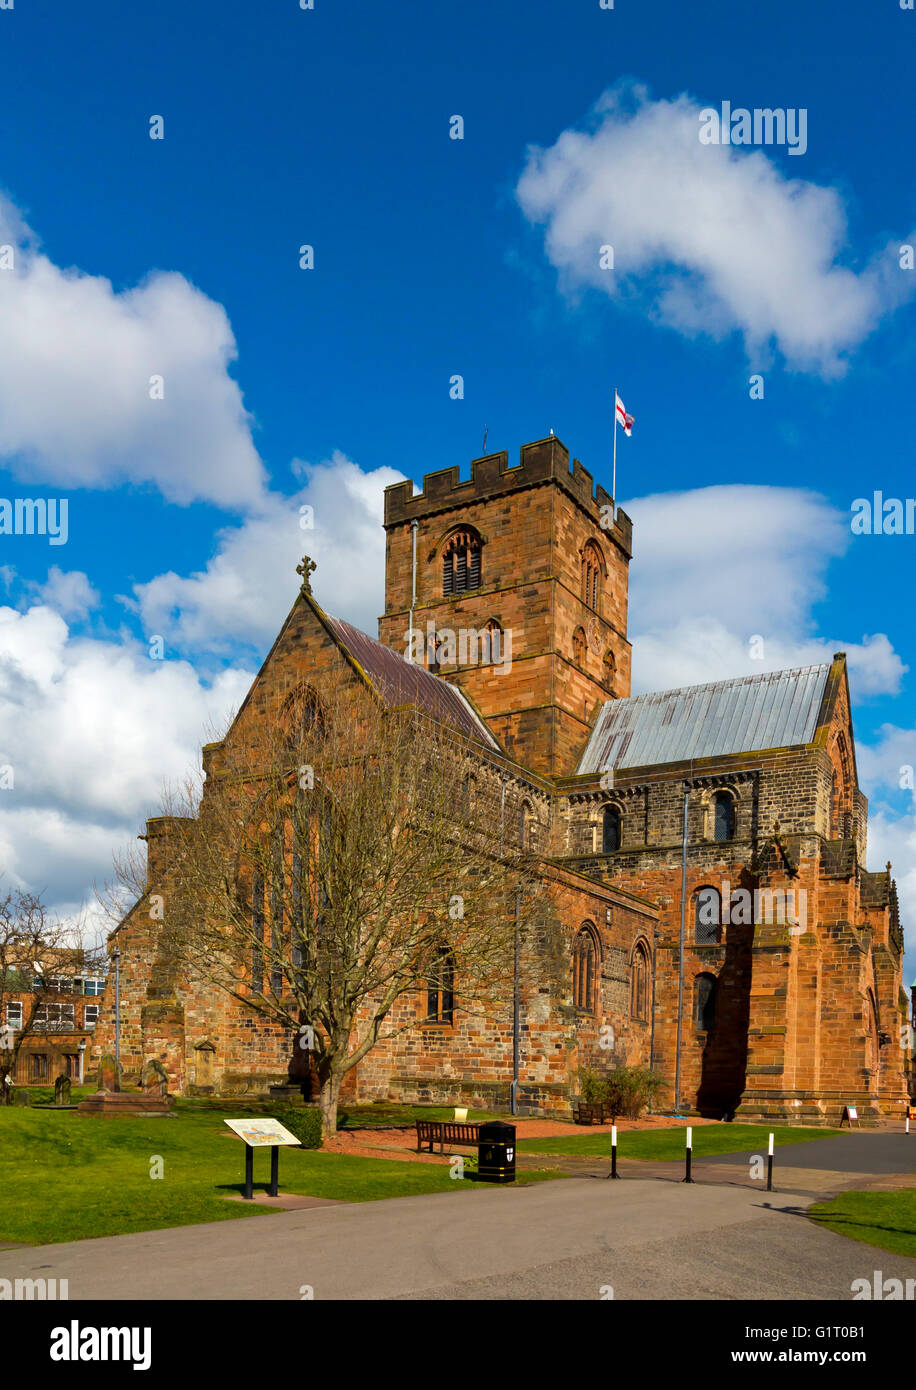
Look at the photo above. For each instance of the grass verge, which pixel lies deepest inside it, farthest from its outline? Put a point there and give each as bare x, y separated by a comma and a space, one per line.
67, 1176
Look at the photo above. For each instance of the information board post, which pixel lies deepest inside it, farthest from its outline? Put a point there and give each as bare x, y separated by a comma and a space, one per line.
274, 1169
249, 1173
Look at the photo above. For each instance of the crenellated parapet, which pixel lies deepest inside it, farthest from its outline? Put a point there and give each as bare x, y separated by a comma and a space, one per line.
545, 460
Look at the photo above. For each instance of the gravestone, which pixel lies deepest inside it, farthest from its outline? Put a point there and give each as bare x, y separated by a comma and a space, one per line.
20, 1096
109, 1073
154, 1079
62, 1090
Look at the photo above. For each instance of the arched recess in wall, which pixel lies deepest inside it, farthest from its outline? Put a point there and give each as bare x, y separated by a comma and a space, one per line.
639, 981
586, 966
205, 1064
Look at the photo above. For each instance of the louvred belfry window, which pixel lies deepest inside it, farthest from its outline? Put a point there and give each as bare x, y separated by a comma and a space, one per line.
461, 563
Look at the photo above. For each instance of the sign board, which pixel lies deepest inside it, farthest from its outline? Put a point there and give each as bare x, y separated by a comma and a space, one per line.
850, 1116
262, 1133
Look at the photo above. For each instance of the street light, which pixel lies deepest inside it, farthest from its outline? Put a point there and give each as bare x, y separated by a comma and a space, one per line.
82, 1052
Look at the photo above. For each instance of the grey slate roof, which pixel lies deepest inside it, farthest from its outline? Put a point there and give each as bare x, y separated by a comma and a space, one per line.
773, 710
400, 682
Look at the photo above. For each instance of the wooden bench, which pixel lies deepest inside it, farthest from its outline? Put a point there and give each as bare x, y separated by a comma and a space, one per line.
445, 1132
591, 1112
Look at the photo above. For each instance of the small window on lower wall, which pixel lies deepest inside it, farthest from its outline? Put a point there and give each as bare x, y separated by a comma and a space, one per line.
440, 992
38, 1066
704, 1003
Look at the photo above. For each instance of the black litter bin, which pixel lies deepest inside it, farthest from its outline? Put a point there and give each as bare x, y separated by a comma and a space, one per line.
496, 1152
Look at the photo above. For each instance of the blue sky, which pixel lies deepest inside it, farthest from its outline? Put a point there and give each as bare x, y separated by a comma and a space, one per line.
436, 257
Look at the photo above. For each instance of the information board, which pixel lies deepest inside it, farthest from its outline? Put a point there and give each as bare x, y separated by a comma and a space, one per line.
262, 1133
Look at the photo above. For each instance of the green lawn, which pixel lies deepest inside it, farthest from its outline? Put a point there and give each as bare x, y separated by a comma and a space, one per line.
670, 1143
65, 1176
886, 1219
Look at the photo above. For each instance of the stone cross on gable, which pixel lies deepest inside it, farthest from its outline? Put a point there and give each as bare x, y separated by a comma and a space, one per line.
306, 569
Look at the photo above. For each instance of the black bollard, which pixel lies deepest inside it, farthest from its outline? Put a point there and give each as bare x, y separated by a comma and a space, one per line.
770, 1166
688, 1178
614, 1173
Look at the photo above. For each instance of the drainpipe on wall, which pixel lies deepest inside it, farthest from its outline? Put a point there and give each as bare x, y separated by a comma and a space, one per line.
516, 1024
413, 590
680, 965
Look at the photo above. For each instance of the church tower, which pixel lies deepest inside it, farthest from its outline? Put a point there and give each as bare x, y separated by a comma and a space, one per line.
517, 583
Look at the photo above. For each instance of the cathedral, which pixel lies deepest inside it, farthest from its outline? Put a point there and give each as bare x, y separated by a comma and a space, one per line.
705, 847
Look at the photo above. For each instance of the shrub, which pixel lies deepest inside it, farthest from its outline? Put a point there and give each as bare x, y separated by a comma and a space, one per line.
592, 1084
628, 1090
302, 1120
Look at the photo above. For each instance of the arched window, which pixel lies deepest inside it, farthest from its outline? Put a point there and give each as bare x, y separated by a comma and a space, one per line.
639, 982
610, 672
585, 969
493, 642
440, 990
704, 1003
723, 817
524, 818
708, 916
302, 715
579, 646
835, 818
461, 562
592, 569
610, 830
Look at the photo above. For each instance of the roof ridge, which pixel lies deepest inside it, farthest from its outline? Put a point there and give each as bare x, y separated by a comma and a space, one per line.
726, 680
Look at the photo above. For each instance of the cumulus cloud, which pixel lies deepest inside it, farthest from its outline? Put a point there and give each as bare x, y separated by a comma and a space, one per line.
248, 586
68, 592
744, 562
714, 239
76, 361
93, 730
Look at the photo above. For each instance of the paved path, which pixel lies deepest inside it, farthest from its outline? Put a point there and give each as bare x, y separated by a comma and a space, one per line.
555, 1240
818, 1168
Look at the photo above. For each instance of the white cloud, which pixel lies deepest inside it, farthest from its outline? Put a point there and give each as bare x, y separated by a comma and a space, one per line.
76, 358
712, 238
68, 592
716, 567
249, 585
93, 731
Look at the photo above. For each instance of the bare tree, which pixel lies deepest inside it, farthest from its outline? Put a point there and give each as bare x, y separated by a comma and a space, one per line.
341, 859
36, 950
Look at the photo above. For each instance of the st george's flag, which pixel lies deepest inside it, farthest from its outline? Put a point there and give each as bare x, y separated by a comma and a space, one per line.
624, 420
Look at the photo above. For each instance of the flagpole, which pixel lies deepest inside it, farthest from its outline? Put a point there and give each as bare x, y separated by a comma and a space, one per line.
614, 478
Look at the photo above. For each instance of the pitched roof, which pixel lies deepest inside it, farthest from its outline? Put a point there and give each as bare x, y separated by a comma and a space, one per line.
775, 710
400, 682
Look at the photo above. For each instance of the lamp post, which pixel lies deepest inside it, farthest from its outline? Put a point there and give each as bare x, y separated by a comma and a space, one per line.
82, 1053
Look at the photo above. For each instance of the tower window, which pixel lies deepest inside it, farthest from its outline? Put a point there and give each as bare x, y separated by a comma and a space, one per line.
610, 671
461, 563
592, 569
578, 643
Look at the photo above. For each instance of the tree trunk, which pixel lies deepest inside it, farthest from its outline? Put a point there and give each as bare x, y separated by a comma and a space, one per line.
328, 1097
